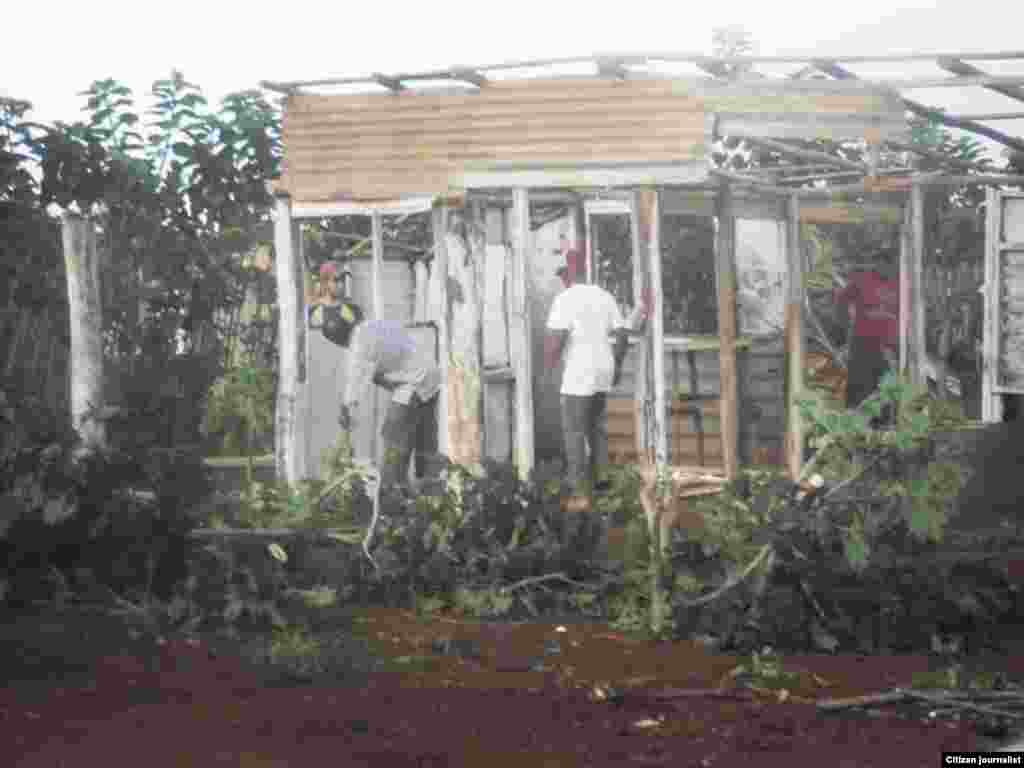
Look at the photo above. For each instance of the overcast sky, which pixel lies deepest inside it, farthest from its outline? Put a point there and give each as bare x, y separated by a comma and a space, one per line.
224, 46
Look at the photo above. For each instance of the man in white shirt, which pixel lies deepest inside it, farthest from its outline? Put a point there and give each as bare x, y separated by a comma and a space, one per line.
582, 324
384, 352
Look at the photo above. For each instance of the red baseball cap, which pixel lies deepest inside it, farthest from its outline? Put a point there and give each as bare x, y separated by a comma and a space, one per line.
573, 262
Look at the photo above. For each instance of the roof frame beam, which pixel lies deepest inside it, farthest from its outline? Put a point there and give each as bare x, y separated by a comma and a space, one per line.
991, 116
469, 75
611, 68
393, 84
806, 154
831, 67
963, 69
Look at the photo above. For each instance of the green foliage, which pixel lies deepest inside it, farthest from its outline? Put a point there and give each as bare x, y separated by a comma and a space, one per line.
326, 503
736, 519
850, 447
621, 502
122, 517
764, 669
292, 643
241, 408
485, 603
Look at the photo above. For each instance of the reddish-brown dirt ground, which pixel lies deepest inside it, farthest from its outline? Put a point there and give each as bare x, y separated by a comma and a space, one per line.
184, 706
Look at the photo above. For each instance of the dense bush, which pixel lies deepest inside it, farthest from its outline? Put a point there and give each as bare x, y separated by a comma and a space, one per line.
118, 518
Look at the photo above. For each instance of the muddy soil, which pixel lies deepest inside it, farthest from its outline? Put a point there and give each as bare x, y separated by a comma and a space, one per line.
389, 688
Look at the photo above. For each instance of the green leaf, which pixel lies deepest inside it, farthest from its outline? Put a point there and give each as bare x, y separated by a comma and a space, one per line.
856, 550
872, 407
277, 552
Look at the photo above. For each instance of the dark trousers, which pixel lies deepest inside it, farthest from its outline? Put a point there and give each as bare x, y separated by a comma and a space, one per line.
867, 366
408, 428
584, 424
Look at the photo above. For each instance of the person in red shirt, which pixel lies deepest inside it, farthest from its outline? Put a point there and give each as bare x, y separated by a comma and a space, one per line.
872, 299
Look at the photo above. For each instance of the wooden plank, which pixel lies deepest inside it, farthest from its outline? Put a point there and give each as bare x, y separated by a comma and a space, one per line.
85, 315
916, 351
497, 376
607, 150
553, 120
521, 334
288, 432
642, 382
906, 246
495, 319
840, 213
794, 341
725, 262
465, 266
439, 225
376, 312
650, 251
991, 403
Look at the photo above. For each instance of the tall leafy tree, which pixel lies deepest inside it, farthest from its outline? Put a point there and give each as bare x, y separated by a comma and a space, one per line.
179, 194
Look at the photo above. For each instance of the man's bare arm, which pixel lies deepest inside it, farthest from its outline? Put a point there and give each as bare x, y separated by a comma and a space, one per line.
554, 344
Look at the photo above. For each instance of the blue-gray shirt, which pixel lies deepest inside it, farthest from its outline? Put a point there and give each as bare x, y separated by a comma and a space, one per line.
384, 349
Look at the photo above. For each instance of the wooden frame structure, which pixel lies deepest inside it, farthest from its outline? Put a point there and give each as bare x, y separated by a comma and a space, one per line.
733, 107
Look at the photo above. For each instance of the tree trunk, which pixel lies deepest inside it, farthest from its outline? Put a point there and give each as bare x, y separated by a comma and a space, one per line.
85, 313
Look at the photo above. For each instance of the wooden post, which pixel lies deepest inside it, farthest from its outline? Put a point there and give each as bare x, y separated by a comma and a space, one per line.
496, 382
906, 246
991, 403
725, 269
376, 312
794, 340
650, 251
915, 285
521, 331
642, 385
464, 379
289, 457
439, 223
377, 265
85, 312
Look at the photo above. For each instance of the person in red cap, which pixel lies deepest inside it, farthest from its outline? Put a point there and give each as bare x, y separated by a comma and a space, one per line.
582, 324
872, 297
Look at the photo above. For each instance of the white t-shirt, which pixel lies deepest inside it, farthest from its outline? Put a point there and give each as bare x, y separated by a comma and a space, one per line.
589, 313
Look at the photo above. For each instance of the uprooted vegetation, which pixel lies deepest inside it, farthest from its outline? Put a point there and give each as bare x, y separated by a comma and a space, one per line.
860, 563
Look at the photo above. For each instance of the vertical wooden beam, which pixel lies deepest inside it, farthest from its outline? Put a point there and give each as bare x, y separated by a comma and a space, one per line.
725, 269
85, 313
794, 339
521, 332
288, 453
377, 265
642, 376
498, 410
376, 312
915, 288
906, 246
991, 403
439, 224
650, 252
422, 312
